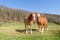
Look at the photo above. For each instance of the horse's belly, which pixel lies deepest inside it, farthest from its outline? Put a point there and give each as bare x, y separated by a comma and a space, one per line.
42, 22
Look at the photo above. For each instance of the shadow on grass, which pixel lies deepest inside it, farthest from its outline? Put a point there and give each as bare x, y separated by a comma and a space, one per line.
18, 30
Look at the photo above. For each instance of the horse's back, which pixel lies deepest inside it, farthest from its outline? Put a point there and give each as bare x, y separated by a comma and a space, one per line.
42, 20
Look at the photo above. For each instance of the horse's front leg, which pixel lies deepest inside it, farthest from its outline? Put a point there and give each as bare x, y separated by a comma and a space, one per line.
42, 28
39, 28
31, 29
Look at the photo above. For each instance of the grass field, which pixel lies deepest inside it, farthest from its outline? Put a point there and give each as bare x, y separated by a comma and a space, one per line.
15, 31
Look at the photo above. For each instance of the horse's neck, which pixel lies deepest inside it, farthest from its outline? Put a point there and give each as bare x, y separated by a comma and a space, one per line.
30, 18
38, 18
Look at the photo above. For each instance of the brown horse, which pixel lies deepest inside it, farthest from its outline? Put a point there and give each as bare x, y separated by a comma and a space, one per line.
42, 23
29, 21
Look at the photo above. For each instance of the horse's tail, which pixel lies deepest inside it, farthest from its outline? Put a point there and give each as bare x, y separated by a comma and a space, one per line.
25, 19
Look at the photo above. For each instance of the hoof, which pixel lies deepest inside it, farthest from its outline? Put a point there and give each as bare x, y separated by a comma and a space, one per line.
47, 30
30, 32
26, 32
39, 30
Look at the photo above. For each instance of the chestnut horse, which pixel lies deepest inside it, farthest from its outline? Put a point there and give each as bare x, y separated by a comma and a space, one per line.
42, 23
29, 21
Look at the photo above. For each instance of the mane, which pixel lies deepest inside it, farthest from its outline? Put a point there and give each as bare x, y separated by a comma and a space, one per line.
30, 17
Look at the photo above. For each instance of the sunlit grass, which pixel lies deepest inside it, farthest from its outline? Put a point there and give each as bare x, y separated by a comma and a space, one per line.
16, 31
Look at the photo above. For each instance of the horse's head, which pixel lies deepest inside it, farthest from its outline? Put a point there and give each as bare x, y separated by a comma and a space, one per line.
33, 15
38, 15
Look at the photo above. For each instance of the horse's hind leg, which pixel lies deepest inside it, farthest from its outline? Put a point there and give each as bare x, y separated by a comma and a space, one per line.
45, 27
39, 28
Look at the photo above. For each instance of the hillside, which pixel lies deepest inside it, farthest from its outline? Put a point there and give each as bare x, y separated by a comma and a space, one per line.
10, 15
53, 18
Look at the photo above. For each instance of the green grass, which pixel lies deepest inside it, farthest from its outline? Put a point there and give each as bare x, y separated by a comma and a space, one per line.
15, 31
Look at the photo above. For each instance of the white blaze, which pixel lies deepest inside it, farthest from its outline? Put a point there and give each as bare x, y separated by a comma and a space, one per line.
38, 15
34, 17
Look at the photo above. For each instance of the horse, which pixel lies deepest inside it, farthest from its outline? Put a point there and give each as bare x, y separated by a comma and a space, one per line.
29, 22
42, 23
